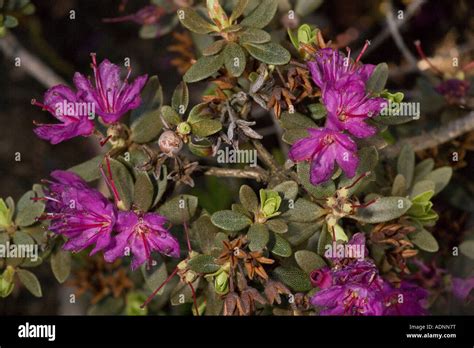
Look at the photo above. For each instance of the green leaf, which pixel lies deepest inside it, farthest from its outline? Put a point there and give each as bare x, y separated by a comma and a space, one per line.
324, 239
203, 264
440, 177
149, 31
28, 210
214, 48
399, 186
376, 82
309, 261
22, 238
143, 191
295, 278
123, 182
406, 164
133, 304
229, 220
467, 248
108, 306
205, 126
10, 22
180, 99
299, 232
248, 198
384, 209
254, 35
146, 123
155, 279
30, 282
162, 183
182, 293
320, 191
202, 148
203, 234
179, 209
238, 10
277, 225
194, 22
88, 170
262, 15
258, 236
296, 121
279, 246
170, 115
304, 211
423, 168
203, 68
421, 187
270, 53
289, 189
368, 159
318, 111
424, 240
291, 136
304, 7
61, 264
234, 59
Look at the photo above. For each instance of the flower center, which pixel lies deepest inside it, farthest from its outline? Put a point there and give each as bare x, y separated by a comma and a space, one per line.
328, 139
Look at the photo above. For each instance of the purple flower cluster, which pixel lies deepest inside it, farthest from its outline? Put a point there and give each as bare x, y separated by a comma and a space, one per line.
356, 288
109, 97
87, 218
342, 83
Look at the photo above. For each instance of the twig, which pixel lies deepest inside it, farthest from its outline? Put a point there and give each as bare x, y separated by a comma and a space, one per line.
435, 137
265, 156
393, 28
255, 174
12, 49
385, 33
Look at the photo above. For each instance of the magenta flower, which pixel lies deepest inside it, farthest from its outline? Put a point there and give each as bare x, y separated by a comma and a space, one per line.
461, 288
111, 96
407, 299
350, 299
355, 290
64, 104
80, 213
350, 106
330, 66
141, 234
321, 278
322, 148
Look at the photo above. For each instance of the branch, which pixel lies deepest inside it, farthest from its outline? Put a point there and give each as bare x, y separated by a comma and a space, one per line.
394, 31
265, 156
255, 174
385, 34
435, 137
12, 49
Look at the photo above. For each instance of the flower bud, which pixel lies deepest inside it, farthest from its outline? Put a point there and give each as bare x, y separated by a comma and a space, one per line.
269, 203
184, 128
5, 215
170, 143
6, 282
221, 283
217, 14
